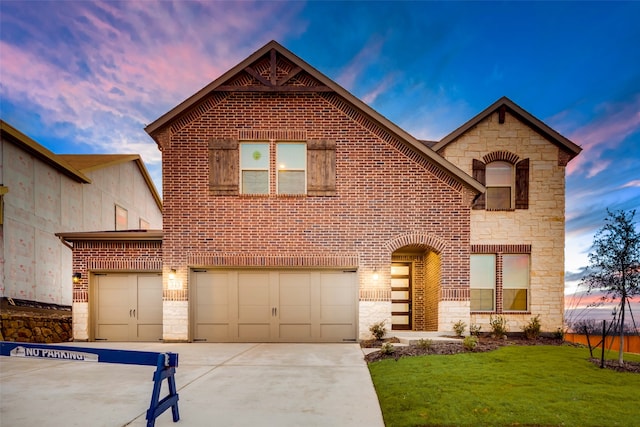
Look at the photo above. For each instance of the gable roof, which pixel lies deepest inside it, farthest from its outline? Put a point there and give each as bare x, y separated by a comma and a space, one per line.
41, 153
90, 162
326, 84
565, 144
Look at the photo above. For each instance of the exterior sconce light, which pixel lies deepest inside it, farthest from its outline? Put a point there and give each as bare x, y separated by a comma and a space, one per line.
76, 278
172, 274
376, 276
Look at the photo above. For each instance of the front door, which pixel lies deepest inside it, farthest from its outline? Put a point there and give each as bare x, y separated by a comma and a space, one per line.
401, 296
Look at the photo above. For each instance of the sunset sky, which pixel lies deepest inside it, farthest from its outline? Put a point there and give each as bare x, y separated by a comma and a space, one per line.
86, 77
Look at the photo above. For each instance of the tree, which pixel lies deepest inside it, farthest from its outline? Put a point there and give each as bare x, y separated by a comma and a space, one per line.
614, 263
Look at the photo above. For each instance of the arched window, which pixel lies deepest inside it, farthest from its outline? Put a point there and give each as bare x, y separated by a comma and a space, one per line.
500, 183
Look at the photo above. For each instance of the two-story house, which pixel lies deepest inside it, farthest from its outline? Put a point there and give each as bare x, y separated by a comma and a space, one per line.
295, 212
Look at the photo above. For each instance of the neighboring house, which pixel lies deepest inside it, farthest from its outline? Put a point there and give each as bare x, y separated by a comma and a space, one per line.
295, 212
43, 193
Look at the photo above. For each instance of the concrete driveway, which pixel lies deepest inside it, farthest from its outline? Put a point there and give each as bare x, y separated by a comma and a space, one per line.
218, 384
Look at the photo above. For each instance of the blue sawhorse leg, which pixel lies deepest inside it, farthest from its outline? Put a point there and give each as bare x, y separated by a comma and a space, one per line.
157, 406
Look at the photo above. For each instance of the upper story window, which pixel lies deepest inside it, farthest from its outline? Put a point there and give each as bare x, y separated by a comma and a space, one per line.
254, 168
499, 183
506, 179
273, 167
291, 160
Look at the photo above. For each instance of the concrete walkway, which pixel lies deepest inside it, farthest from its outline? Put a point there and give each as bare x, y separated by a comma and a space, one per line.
218, 384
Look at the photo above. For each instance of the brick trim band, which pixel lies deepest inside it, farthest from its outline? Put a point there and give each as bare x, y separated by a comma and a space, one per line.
269, 134
285, 260
375, 294
495, 249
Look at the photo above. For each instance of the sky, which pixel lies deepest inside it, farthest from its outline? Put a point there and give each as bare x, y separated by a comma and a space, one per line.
87, 76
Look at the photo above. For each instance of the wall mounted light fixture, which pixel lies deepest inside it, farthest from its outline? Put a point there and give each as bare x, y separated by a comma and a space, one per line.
376, 276
172, 274
76, 277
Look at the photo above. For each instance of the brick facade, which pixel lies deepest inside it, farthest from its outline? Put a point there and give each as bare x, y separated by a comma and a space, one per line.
391, 199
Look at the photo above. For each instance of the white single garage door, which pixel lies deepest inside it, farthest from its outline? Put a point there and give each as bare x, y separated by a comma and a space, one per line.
274, 306
127, 307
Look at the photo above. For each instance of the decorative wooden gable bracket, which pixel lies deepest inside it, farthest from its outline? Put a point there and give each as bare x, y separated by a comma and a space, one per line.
272, 84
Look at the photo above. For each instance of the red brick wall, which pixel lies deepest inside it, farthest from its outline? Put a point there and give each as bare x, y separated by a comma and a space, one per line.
384, 189
112, 256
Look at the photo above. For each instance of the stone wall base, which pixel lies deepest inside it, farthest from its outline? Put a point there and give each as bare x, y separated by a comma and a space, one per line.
451, 312
37, 327
175, 321
373, 312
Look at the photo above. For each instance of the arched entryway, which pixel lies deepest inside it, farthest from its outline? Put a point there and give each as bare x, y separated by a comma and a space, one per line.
415, 281
415, 288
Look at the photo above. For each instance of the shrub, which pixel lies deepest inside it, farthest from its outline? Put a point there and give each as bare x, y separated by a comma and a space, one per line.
387, 348
378, 330
475, 330
558, 334
424, 344
498, 326
532, 329
459, 328
470, 342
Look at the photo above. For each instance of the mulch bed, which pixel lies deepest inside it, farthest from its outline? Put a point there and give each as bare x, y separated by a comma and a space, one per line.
484, 344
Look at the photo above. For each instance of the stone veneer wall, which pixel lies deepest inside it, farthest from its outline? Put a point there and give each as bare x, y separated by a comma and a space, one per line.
542, 225
37, 327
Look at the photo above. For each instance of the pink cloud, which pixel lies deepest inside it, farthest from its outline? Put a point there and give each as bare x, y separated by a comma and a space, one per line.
354, 69
634, 183
120, 65
618, 122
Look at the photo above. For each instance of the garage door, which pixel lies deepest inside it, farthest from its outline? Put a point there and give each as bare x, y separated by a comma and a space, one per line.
128, 307
274, 306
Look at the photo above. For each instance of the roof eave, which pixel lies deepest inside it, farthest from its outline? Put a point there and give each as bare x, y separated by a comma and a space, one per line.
538, 125
37, 150
112, 236
353, 100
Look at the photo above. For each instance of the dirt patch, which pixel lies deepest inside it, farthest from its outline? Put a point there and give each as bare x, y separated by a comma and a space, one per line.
484, 344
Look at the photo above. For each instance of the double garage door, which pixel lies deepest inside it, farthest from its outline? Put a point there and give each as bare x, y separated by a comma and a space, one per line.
273, 306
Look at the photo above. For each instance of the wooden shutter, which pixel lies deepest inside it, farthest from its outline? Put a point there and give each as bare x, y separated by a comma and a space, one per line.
522, 184
479, 174
321, 167
223, 166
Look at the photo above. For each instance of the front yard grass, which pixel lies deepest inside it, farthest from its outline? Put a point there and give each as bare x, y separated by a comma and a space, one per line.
514, 385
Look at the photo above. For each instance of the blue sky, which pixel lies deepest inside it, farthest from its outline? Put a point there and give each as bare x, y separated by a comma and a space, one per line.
86, 77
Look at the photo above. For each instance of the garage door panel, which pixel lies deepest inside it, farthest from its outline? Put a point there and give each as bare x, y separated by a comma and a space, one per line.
113, 332
254, 332
254, 314
213, 332
333, 333
295, 314
150, 300
336, 314
151, 332
295, 333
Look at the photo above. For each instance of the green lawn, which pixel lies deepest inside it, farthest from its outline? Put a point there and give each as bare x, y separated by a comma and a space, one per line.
514, 385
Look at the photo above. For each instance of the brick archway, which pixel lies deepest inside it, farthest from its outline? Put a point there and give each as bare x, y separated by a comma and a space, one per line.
421, 240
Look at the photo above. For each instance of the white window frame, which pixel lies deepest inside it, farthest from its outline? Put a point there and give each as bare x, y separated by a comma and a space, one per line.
244, 145
282, 167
